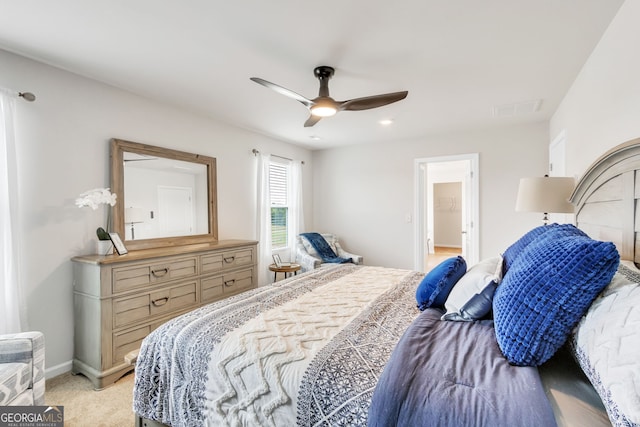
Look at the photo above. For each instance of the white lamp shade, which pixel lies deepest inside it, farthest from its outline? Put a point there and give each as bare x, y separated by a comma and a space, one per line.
545, 194
134, 215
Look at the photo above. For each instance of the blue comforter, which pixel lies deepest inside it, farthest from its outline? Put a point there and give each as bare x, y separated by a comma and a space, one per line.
445, 373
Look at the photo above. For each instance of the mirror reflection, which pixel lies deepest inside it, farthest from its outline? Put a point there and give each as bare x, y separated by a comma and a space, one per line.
163, 197
166, 197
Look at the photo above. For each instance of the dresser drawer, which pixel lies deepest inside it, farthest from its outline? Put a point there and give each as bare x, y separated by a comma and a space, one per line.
131, 339
215, 287
127, 341
212, 289
238, 281
128, 310
227, 259
135, 276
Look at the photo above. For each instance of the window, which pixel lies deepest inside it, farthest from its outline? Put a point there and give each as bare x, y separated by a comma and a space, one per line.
279, 190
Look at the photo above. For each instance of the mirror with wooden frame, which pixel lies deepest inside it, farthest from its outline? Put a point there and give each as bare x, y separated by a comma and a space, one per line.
165, 198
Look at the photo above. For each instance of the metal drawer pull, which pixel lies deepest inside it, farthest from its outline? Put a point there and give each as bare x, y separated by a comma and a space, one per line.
160, 273
230, 282
160, 302
230, 259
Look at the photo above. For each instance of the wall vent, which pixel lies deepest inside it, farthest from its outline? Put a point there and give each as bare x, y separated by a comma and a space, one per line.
517, 108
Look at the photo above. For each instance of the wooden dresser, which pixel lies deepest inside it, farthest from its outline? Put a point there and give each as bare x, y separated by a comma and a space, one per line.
119, 300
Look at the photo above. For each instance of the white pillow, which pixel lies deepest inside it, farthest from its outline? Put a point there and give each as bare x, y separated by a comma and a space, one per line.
483, 276
606, 343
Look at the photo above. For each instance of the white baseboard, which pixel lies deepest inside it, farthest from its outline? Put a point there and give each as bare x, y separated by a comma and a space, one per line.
60, 369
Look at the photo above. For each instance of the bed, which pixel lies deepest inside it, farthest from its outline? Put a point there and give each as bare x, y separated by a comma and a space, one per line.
347, 345
334, 325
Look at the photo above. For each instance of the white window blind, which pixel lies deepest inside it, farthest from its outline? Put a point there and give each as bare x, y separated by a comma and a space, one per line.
279, 190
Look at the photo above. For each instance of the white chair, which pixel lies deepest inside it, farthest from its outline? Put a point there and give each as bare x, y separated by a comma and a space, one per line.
22, 380
308, 257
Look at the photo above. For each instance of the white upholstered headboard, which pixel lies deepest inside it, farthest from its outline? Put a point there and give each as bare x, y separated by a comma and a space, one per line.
607, 196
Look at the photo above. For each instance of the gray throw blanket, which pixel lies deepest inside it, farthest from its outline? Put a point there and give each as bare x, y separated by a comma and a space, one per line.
324, 250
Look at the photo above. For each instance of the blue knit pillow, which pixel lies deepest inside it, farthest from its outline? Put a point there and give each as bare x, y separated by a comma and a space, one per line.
548, 288
436, 285
519, 245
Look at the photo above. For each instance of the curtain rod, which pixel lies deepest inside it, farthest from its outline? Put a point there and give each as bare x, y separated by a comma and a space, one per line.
256, 152
27, 96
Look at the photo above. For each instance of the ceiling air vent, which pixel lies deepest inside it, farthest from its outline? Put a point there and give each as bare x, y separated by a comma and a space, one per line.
517, 108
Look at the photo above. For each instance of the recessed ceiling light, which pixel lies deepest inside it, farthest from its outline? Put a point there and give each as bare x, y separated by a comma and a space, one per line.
385, 122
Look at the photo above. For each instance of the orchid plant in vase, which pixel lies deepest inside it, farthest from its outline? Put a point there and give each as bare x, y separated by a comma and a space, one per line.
93, 199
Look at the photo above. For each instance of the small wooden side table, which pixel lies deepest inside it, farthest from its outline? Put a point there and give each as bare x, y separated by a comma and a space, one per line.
285, 269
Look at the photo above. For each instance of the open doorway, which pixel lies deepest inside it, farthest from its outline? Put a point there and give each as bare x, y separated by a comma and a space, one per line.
446, 205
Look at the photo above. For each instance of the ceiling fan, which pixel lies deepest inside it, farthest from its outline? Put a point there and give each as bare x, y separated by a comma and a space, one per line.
324, 105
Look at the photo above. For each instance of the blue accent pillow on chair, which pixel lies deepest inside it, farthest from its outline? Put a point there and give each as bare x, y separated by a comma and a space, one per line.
436, 285
548, 288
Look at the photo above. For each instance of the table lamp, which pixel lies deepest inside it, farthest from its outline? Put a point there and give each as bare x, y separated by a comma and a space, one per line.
548, 194
134, 216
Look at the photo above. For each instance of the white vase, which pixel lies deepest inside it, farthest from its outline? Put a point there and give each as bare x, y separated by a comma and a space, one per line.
104, 247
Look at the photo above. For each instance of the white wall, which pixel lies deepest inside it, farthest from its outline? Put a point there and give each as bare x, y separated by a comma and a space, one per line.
363, 193
602, 108
63, 150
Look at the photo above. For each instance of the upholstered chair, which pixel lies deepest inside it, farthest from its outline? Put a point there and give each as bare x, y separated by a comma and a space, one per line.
22, 369
309, 259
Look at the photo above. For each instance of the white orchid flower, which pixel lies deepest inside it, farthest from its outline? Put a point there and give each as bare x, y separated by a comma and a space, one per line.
96, 197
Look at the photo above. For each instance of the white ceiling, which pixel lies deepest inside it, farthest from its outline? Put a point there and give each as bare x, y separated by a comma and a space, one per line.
458, 58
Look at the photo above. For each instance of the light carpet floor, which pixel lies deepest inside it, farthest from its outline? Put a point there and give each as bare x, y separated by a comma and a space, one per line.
83, 406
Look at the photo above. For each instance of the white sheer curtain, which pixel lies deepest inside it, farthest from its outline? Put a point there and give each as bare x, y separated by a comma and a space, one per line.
264, 220
10, 303
295, 220
296, 217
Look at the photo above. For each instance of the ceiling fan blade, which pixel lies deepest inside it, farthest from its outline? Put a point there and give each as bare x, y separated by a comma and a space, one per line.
312, 120
374, 101
284, 91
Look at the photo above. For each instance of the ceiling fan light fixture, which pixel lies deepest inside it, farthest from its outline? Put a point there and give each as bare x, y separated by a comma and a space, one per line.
323, 106
324, 109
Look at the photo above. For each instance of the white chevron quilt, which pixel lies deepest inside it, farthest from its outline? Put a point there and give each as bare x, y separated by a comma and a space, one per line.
306, 351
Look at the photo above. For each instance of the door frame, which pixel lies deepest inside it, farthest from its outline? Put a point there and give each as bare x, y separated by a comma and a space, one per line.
472, 196
557, 167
